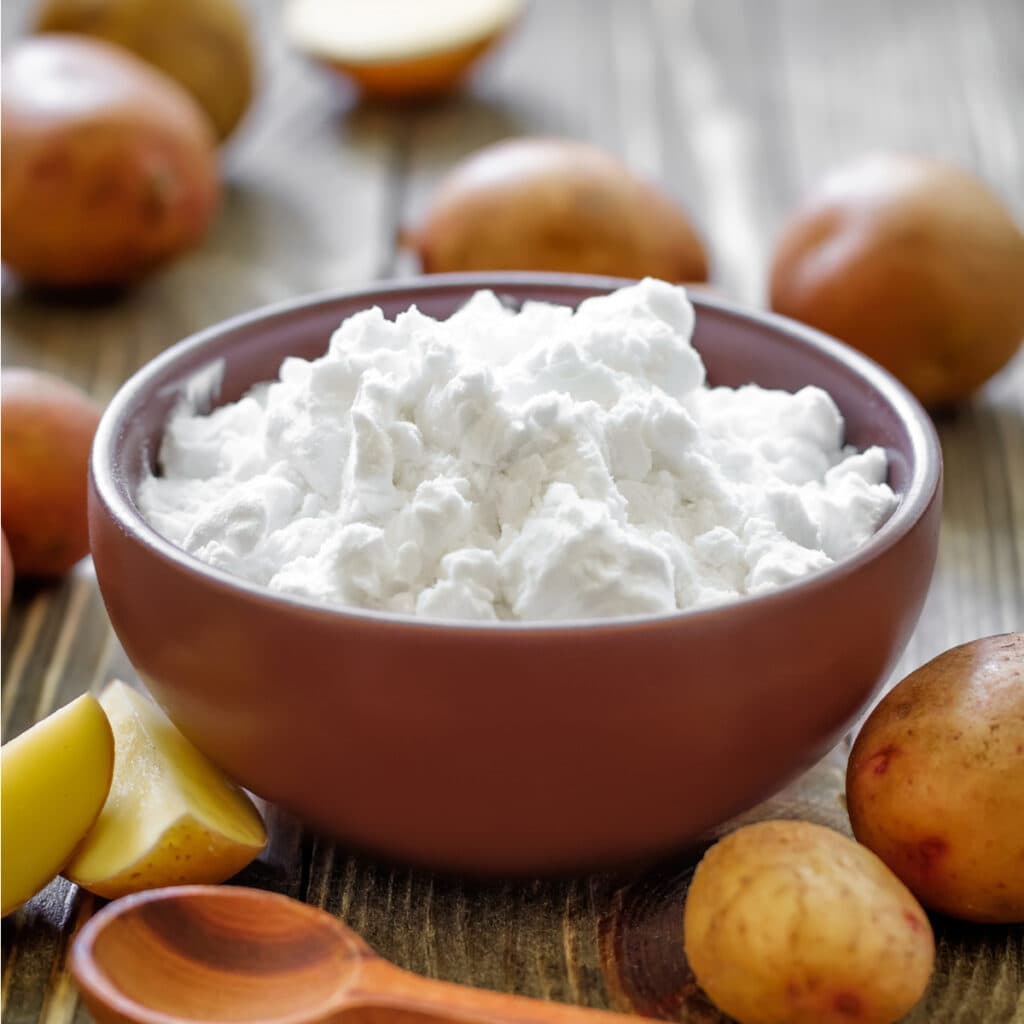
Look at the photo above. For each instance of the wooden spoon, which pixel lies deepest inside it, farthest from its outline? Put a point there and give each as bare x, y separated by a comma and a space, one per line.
222, 953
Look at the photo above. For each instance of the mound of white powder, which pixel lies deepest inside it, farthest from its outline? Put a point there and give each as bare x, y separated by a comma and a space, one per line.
532, 465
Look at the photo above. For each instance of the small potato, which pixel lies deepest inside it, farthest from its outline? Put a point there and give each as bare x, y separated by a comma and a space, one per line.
109, 167
559, 205
935, 782
918, 264
204, 45
47, 430
791, 923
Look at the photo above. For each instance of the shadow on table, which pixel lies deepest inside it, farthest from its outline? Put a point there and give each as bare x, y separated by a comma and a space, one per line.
438, 132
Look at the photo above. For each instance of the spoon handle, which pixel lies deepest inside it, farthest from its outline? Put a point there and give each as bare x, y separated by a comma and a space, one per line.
389, 995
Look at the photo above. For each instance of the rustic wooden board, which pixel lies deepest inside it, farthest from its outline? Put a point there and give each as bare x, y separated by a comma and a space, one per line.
737, 106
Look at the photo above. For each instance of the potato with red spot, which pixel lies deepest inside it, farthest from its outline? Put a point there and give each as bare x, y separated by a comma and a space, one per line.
935, 782
788, 922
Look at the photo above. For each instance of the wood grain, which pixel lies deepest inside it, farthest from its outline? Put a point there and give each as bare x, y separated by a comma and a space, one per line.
737, 107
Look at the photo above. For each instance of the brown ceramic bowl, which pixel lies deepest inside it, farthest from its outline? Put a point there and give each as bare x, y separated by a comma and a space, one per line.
512, 747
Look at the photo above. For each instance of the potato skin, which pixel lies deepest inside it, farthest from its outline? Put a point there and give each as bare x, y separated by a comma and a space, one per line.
558, 205
935, 781
787, 922
915, 263
46, 436
204, 45
108, 166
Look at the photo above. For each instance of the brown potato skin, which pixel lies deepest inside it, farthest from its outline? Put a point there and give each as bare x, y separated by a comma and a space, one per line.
46, 434
204, 45
788, 922
915, 263
558, 205
935, 781
108, 166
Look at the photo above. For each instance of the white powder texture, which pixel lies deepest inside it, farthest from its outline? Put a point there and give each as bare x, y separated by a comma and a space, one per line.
531, 465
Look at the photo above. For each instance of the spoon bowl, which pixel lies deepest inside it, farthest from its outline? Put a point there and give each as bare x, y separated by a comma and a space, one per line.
218, 954
214, 954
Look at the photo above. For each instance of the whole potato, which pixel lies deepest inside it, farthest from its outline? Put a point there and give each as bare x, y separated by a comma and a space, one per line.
204, 45
791, 923
556, 204
46, 435
935, 782
914, 262
108, 166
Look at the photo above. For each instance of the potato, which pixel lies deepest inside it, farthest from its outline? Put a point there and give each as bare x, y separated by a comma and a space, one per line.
791, 923
204, 45
399, 51
916, 263
935, 782
46, 436
555, 204
7, 574
108, 166
54, 778
171, 817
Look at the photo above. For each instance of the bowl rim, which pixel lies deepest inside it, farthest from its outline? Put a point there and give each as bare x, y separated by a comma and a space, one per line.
111, 489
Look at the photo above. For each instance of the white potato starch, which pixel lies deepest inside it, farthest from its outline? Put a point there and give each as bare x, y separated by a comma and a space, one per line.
537, 465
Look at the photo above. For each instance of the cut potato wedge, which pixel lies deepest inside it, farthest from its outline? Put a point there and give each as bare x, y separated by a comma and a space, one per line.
172, 818
55, 778
393, 49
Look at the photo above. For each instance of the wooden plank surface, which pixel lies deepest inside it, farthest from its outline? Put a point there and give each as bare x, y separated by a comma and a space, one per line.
737, 106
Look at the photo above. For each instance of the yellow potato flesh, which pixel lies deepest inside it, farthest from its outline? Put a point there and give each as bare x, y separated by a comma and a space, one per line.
55, 778
172, 817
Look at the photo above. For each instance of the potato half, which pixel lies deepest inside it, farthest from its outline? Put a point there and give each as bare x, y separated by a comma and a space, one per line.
399, 49
171, 818
55, 778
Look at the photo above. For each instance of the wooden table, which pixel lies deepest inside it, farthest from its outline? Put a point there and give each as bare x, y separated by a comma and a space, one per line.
737, 106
